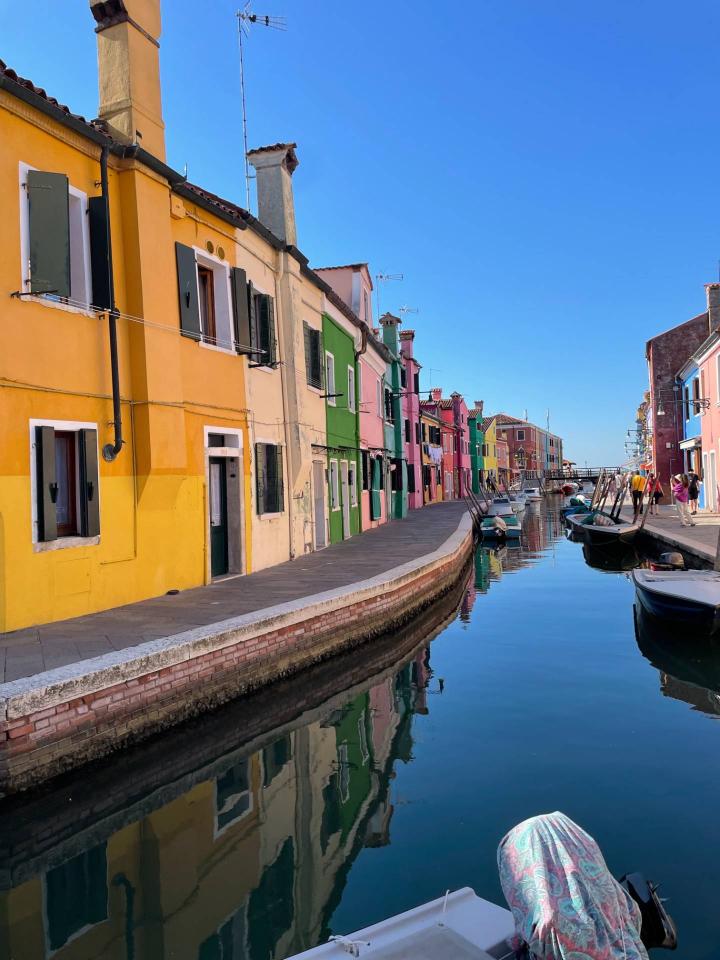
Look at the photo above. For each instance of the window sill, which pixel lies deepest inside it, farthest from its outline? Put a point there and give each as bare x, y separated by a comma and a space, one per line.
64, 543
318, 391
216, 349
59, 305
262, 369
269, 516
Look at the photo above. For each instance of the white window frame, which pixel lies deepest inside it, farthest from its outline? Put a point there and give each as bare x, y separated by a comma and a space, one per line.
222, 300
352, 482
359, 384
379, 394
218, 831
334, 486
269, 442
351, 388
330, 388
60, 543
83, 295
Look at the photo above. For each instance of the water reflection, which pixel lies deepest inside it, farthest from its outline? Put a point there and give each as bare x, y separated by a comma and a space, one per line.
689, 667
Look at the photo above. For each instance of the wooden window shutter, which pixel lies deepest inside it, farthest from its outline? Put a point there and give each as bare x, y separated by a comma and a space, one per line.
267, 325
279, 484
309, 367
49, 223
313, 356
260, 476
46, 481
89, 484
411, 477
98, 222
417, 383
188, 291
253, 322
375, 508
241, 310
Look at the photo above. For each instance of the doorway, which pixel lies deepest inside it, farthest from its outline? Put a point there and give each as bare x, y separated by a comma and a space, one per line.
318, 482
711, 486
345, 498
218, 517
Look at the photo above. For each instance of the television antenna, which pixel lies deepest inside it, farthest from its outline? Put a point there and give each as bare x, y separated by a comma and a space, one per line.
383, 278
246, 18
406, 309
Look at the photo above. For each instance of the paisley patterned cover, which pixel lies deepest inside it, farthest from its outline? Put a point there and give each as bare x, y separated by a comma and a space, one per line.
566, 903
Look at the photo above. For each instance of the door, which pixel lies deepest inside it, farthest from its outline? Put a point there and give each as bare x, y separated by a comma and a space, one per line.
712, 485
218, 518
345, 498
318, 480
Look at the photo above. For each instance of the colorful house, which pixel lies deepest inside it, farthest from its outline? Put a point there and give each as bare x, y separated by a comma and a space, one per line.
410, 405
453, 414
488, 428
432, 456
341, 400
477, 439
394, 427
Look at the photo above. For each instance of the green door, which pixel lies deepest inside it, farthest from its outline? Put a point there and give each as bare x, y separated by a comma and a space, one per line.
218, 518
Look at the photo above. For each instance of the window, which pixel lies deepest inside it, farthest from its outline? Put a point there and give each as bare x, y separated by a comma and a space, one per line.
262, 328
411, 477
379, 396
275, 756
351, 389
65, 472
423, 429
403, 377
365, 468
269, 488
417, 431
417, 383
521, 434
212, 300
686, 402
352, 484
389, 406
233, 798
207, 303
696, 395
76, 896
406, 424
397, 474
313, 356
330, 378
334, 486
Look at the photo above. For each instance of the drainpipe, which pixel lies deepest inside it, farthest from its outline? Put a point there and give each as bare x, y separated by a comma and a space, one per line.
281, 282
111, 450
358, 354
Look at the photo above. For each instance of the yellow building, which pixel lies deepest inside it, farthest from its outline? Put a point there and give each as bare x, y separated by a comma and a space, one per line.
489, 450
148, 317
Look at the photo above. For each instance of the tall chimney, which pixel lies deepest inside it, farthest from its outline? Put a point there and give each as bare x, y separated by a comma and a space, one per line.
436, 394
479, 405
128, 34
406, 343
274, 167
712, 292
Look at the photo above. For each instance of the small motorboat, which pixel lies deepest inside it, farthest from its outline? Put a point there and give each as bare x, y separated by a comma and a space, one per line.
577, 522
532, 493
564, 902
690, 597
500, 506
604, 531
518, 502
500, 528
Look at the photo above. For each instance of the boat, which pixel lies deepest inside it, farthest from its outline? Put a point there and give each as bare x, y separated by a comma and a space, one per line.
500, 528
532, 493
546, 864
577, 522
500, 506
601, 531
688, 597
518, 502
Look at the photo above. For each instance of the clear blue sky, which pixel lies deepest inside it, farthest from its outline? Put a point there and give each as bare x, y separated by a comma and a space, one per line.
545, 174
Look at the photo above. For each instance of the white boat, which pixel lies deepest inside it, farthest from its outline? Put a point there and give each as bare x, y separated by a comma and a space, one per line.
459, 925
532, 493
690, 597
518, 501
500, 507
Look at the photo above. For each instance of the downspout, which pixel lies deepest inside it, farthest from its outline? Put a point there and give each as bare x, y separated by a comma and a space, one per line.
287, 428
111, 450
358, 354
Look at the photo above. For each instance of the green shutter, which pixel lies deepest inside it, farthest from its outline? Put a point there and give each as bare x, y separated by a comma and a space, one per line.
241, 311
46, 483
376, 488
98, 221
260, 477
188, 291
279, 485
253, 321
89, 484
49, 224
309, 357
267, 330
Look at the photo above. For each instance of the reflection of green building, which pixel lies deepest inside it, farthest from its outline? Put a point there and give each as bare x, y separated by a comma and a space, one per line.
351, 783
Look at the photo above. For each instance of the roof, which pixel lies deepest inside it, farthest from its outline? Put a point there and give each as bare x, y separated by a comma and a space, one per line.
679, 326
345, 266
486, 423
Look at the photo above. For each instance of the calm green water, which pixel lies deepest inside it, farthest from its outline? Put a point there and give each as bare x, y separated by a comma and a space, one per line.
315, 808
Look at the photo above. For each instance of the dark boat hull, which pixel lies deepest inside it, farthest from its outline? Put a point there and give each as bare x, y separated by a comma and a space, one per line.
698, 617
609, 537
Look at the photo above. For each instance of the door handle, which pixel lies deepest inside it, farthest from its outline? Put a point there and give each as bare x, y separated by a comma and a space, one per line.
90, 490
53, 488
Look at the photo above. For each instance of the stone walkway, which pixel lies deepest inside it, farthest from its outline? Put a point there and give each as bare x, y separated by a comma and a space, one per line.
24, 653
702, 539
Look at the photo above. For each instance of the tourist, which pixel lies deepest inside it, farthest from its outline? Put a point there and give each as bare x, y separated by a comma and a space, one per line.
681, 488
656, 495
637, 488
694, 492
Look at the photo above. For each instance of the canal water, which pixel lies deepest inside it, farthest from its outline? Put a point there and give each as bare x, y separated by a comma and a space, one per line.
378, 781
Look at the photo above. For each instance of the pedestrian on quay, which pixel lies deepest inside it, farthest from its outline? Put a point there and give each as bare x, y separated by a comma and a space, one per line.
656, 495
694, 492
637, 488
681, 489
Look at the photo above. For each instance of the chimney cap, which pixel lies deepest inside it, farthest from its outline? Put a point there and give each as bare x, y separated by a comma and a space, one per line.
390, 320
407, 334
289, 158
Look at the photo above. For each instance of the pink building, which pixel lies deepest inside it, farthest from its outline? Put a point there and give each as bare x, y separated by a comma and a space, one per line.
410, 406
707, 357
453, 413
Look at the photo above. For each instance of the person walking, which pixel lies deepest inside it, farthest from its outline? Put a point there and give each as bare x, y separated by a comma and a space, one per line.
693, 492
637, 488
681, 489
656, 495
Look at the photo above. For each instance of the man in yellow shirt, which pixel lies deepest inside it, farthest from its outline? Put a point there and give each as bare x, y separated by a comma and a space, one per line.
637, 488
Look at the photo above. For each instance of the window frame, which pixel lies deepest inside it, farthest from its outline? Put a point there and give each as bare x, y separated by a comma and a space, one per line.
269, 514
351, 405
59, 304
270, 365
330, 388
222, 301
520, 437
334, 485
352, 482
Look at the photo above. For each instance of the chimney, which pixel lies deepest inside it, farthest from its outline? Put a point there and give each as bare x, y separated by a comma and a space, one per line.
274, 167
479, 405
436, 394
128, 45
712, 292
390, 324
406, 343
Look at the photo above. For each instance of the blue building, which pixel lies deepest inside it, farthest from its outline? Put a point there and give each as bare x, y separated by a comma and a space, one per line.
688, 380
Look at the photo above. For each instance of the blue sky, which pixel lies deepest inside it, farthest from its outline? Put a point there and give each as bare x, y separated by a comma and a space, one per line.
545, 175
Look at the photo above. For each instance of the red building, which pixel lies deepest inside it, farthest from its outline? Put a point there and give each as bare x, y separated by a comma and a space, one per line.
525, 446
453, 413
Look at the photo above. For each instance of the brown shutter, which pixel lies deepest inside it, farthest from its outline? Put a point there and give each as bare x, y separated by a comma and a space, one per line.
241, 311
49, 227
188, 291
46, 480
253, 322
89, 484
260, 477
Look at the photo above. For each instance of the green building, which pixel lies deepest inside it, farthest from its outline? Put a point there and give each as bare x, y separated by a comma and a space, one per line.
341, 409
477, 439
394, 440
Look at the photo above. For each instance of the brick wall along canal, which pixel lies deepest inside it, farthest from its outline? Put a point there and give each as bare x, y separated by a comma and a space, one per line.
258, 830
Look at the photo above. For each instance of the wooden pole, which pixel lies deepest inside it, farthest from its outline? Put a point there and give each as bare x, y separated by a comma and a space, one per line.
652, 486
597, 488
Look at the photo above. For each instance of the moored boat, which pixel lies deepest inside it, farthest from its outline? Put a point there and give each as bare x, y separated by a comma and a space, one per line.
500, 528
500, 506
599, 533
532, 493
690, 597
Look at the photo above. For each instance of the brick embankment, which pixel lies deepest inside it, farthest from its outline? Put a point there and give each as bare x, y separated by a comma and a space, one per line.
59, 719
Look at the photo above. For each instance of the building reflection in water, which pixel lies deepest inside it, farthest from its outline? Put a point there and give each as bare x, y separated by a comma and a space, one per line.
689, 668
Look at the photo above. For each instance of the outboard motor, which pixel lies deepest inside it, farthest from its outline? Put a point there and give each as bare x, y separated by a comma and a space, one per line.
672, 560
567, 904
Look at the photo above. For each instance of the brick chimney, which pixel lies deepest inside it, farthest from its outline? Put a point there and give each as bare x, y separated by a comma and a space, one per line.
128, 46
436, 394
406, 343
712, 292
479, 406
274, 167
390, 323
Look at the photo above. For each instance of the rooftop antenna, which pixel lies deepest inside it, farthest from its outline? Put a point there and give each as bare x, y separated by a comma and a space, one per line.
405, 309
547, 419
383, 278
246, 18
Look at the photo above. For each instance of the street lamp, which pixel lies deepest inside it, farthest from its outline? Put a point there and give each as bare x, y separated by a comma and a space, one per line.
700, 403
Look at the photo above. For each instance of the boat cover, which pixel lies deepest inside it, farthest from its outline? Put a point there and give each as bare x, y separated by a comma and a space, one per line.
565, 902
